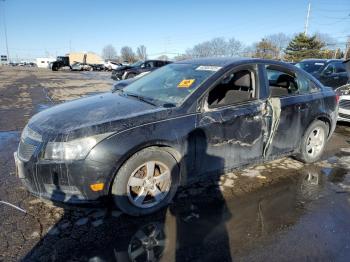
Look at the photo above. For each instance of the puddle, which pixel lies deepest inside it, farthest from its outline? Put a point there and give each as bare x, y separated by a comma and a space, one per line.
184, 230
335, 175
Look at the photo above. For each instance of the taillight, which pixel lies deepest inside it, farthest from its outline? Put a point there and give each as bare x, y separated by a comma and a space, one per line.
337, 97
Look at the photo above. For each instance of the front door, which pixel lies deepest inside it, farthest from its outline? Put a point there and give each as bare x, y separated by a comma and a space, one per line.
230, 126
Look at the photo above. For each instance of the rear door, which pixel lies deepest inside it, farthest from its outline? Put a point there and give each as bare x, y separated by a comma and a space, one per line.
300, 100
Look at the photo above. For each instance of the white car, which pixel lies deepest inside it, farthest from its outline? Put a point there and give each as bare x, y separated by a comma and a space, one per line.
111, 65
344, 98
344, 103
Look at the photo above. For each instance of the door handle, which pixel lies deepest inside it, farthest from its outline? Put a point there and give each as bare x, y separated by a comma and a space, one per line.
336, 77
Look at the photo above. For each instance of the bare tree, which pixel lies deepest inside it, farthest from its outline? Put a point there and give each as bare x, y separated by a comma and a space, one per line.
234, 47
180, 57
141, 52
280, 41
127, 54
216, 47
200, 50
163, 57
109, 52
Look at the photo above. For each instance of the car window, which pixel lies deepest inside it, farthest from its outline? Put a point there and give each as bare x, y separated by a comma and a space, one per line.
282, 82
159, 64
330, 69
340, 68
236, 87
306, 85
310, 66
172, 83
149, 64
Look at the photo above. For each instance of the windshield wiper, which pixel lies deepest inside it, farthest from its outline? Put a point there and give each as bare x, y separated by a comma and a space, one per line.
141, 98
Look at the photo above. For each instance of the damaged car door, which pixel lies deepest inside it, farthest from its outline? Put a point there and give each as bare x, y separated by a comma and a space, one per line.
232, 121
291, 90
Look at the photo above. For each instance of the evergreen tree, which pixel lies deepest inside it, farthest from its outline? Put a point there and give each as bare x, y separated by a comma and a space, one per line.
302, 47
266, 49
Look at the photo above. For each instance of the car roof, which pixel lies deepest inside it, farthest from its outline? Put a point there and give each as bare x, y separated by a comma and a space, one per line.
156, 60
226, 61
321, 60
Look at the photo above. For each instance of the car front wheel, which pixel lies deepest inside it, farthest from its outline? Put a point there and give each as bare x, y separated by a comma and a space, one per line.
313, 142
146, 182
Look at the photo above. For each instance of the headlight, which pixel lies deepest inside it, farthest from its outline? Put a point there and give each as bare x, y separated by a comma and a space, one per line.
72, 150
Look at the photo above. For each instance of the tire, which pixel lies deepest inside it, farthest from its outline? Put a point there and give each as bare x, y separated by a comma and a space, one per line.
139, 192
131, 75
313, 142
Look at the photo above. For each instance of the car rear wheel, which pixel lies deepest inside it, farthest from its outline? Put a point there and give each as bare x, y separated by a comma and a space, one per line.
313, 142
146, 182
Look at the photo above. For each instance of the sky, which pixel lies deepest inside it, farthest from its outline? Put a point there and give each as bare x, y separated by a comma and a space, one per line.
38, 28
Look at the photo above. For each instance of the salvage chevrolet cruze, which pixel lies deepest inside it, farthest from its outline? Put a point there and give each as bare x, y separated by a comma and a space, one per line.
179, 123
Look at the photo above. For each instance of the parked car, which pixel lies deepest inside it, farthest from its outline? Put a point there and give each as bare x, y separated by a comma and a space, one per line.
329, 72
97, 67
61, 62
123, 83
344, 97
81, 67
174, 126
125, 72
109, 65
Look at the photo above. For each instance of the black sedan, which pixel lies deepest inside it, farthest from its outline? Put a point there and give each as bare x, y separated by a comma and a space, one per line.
173, 126
330, 72
130, 71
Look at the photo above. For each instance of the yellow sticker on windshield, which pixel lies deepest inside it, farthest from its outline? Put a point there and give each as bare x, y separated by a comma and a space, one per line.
186, 83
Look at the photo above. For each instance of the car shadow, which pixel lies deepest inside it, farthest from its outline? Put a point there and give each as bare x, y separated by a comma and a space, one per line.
201, 224
105, 234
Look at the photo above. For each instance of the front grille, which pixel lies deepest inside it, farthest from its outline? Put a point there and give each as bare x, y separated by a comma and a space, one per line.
345, 104
344, 116
25, 150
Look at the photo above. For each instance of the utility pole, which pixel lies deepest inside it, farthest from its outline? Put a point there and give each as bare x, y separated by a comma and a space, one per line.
307, 19
5, 28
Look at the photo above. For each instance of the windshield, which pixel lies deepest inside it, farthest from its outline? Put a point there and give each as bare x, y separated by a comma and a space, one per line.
138, 63
172, 83
310, 67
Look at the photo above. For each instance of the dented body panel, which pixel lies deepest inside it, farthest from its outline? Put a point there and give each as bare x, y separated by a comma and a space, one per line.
229, 136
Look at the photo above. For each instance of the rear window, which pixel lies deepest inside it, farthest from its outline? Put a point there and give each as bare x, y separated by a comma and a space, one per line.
310, 67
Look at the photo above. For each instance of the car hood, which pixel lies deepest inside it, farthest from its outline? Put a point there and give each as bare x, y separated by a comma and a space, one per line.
107, 112
122, 68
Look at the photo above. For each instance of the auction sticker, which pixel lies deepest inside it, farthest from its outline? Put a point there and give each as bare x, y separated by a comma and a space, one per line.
208, 68
186, 83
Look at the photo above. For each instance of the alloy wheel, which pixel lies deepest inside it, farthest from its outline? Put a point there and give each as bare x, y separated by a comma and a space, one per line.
149, 184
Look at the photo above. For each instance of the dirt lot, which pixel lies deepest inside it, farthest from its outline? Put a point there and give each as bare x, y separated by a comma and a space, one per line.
281, 211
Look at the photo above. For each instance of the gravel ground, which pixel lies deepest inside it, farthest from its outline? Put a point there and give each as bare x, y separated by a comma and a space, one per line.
280, 211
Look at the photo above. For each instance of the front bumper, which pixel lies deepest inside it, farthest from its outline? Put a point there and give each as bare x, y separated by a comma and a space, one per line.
63, 182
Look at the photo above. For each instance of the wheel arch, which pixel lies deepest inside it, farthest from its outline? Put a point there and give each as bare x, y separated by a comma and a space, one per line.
327, 121
161, 145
